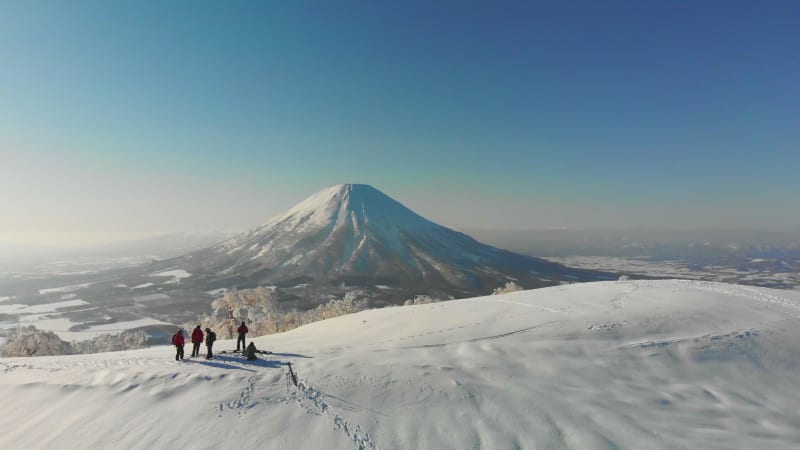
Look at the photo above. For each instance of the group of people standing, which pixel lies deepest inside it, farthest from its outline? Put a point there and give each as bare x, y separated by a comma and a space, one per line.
197, 339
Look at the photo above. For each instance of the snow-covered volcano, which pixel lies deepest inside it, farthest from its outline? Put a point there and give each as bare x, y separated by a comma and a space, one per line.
355, 234
631, 365
346, 238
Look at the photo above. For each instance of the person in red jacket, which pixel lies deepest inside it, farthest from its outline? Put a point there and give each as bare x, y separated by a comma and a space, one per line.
242, 331
178, 342
197, 339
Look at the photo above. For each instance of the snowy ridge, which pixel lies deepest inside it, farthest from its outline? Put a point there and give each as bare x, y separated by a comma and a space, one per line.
640, 364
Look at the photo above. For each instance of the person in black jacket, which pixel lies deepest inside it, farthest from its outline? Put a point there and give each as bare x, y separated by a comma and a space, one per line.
210, 338
242, 332
250, 353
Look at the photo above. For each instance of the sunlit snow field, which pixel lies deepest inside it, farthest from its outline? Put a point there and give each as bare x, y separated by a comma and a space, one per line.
644, 364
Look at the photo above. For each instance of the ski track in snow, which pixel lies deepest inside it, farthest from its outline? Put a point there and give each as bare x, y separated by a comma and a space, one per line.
484, 338
362, 439
248, 397
618, 302
245, 401
312, 401
706, 337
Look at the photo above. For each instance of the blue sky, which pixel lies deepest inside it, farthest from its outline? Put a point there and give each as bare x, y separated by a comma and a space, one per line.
152, 116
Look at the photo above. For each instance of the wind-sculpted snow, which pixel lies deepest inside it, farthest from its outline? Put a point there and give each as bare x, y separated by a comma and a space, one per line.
632, 364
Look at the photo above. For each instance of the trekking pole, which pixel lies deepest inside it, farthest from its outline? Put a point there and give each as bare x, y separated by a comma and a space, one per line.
294, 377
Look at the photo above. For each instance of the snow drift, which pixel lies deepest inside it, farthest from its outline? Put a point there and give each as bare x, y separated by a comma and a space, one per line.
634, 364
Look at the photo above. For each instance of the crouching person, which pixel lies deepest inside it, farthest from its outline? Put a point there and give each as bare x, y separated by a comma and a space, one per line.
250, 353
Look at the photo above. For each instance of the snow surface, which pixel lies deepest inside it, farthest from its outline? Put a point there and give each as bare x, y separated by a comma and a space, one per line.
178, 273
61, 326
142, 286
16, 308
71, 288
641, 364
151, 297
677, 269
97, 330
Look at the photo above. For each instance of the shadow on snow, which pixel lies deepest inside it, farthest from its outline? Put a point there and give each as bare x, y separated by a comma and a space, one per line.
218, 365
271, 364
290, 355
227, 361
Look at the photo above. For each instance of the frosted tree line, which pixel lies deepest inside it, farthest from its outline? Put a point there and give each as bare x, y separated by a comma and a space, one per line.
31, 341
262, 312
260, 309
508, 288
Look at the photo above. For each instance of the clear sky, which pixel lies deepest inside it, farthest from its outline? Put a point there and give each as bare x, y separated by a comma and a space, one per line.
132, 117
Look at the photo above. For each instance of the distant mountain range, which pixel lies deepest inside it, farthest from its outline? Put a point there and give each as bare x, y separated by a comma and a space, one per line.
350, 236
161, 245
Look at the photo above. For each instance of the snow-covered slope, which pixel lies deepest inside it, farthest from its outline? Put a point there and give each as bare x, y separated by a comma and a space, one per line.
644, 364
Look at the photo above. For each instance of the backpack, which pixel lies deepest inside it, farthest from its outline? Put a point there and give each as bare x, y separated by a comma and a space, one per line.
211, 337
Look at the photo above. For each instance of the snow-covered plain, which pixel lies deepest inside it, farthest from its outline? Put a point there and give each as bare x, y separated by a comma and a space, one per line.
39, 309
61, 328
676, 269
51, 317
178, 273
640, 364
72, 288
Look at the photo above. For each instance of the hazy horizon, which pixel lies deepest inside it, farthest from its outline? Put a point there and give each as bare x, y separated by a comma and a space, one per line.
122, 120
43, 244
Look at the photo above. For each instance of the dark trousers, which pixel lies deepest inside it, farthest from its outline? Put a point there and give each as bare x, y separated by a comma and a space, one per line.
241, 339
195, 349
209, 354
179, 354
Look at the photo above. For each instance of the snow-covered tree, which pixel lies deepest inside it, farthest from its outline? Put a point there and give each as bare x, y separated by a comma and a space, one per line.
509, 287
127, 340
30, 341
262, 312
421, 300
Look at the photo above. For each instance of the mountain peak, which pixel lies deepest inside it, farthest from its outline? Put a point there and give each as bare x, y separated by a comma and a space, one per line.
347, 202
356, 234
353, 186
